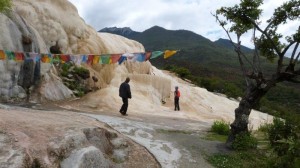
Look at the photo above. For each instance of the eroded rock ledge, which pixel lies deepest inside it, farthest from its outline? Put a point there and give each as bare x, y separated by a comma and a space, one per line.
30, 138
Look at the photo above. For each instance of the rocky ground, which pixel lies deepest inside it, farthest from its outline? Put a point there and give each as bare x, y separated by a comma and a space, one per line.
173, 141
59, 138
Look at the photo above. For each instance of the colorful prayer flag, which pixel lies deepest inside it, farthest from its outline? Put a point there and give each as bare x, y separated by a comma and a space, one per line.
37, 57
96, 59
148, 55
64, 58
169, 53
19, 56
10, 55
105, 59
156, 54
115, 58
46, 58
84, 59
129, 56
90, 59
2, 55
140, 57
73, 58
122, 59
27, 56
55, 58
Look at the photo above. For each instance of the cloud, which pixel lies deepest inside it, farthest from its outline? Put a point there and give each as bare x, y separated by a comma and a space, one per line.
193, 15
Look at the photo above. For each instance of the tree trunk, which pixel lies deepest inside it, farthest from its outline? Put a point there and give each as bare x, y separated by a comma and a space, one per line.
248, 102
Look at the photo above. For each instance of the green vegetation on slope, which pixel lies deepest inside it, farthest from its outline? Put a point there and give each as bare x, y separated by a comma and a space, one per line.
213, 65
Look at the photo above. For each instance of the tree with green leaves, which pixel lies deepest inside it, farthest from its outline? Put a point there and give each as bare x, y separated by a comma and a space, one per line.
5, 5
245, 17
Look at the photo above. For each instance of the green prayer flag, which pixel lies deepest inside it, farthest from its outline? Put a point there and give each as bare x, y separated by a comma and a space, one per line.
105, 59
156, 54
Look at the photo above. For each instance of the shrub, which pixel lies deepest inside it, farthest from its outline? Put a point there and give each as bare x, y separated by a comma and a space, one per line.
244, 141
5, 6
284, 139
279, 130
264, 127
82, 72
183, 72
65, 67
220, 127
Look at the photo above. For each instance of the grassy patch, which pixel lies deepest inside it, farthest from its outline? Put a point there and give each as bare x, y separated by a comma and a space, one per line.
244, 141
220, 127
245, 159
215, 137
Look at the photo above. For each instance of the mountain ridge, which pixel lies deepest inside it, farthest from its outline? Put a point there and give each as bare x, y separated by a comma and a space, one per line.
197, 53
226, 43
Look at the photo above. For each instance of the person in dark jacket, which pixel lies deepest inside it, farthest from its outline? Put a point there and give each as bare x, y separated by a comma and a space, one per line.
125, 93
176, 98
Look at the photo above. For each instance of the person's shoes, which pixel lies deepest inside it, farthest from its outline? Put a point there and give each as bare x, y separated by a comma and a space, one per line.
124, 114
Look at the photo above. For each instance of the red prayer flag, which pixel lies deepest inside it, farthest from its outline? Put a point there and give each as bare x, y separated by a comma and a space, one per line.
148, 55
90, 59
19, 56
65, 58
115, 58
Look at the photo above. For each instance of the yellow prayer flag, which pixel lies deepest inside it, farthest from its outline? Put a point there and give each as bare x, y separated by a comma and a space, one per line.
2, 55
45, 58
96, 59
169, 53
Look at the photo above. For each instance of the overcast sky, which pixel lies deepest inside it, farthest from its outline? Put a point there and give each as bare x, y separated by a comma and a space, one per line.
139, 15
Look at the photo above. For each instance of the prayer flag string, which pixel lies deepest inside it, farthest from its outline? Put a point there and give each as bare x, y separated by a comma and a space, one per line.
87, 59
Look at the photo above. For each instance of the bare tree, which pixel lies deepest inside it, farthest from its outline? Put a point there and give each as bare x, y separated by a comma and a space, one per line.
268, 43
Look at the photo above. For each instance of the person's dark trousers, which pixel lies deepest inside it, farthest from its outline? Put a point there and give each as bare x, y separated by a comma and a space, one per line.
124, 107
176, 100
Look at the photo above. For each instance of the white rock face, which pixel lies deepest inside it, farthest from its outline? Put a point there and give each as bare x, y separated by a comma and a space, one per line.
57, 21
118, 44
47, 23
54, 89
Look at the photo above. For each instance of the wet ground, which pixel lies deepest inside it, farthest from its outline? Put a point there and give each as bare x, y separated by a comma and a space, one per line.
174, 142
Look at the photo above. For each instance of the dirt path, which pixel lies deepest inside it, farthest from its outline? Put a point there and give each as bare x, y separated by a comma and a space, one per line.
174, 142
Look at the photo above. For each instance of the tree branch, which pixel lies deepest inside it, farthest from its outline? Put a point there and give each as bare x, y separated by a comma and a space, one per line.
237, 49
231, 41
294, 52
296, 60
256, 60
266, 34
288, 46
280, 55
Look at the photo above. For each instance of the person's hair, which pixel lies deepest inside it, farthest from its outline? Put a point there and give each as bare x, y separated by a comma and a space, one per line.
176, 87
127, 80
